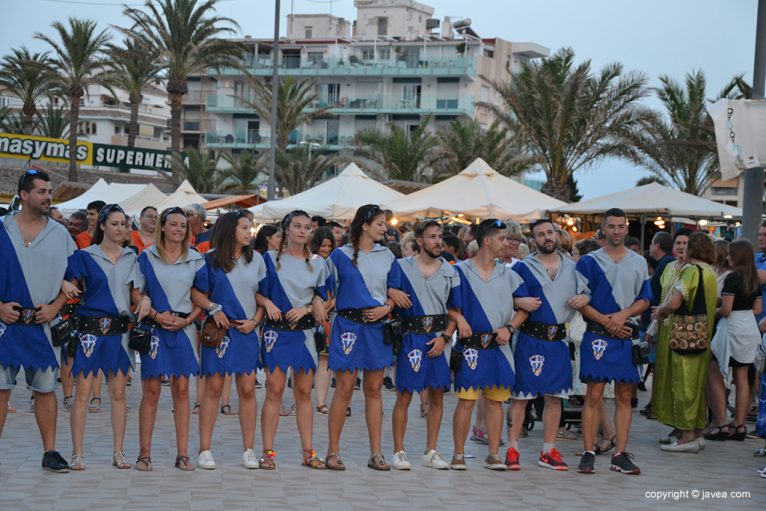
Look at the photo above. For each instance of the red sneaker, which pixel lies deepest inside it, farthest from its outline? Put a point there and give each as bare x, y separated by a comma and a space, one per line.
553, 460
512, 459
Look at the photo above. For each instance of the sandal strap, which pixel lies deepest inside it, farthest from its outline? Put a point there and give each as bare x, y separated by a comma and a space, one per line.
377, 459
338, 459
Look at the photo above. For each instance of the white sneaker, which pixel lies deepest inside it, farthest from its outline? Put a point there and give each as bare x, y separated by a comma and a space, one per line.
676, 447
432, 459
400, 461
205, 460
249, 460
701, 443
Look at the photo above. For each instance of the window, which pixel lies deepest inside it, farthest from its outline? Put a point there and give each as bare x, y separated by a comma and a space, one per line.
368, 54
384, 53
93, 128
489, 53
309, 32
382, 26
117, 129
333, 93
158, 132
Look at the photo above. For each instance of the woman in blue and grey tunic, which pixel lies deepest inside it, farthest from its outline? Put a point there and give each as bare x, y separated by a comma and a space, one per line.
361, 270
107, 273
170, 269
235, 274
294, 295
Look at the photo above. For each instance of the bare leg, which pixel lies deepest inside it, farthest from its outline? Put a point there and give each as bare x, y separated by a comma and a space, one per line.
461, 422
344, 389
594, 397
742, 402
97, 381
179, 387
551, 419
304, 413
45, 414
147, 415
200, 385
622, 413
605, 421
716, 394
226, 392
275, 388
517, 411
494, 417
248, 409
208, 410
481, 420
67, 381
434, 417
79, 411
5, 396
399, 418
116, 385
373, 408
322, 381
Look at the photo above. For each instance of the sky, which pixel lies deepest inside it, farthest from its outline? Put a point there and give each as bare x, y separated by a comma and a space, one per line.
657, 37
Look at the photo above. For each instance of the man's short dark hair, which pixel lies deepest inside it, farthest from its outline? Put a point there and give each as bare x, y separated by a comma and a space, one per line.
421, 228
451, 240
487, 227
616, 212
97, 205
333, 224
538, 222
320, 220
763, 224
27, 180
631, 240
147, 208
683, 231
664, 240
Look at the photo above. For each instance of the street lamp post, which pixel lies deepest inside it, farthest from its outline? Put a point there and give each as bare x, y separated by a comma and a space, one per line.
274, 99
312, 145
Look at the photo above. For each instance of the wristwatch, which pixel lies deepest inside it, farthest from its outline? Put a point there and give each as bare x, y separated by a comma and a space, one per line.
213, 309
511, 330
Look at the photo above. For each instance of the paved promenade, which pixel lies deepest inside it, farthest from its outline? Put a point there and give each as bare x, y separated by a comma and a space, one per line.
722, 467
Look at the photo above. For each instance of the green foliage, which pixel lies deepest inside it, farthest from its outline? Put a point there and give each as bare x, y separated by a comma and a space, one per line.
242, 174
29, 77
53, 122
299, 169
199, 169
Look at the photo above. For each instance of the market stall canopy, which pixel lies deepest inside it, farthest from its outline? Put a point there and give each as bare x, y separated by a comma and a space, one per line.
337, 198
652, 199
149, 196
101, 190
243, 201
480, 191
182, 197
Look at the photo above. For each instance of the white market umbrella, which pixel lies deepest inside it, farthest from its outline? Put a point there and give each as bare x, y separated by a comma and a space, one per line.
653, 199
337, 198
478, 190
149, 196
182, 197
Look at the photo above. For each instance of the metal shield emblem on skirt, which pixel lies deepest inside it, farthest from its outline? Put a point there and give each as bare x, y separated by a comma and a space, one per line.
415, 357
2, 328
153, 346
347, 340
270, 338
599, 348
536, 362
552, 331
104, 324
220, 350
485, 340
88, 343
428, 324
471, 356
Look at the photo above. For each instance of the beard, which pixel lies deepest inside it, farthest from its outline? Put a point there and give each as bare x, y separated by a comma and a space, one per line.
547, 248
434, 254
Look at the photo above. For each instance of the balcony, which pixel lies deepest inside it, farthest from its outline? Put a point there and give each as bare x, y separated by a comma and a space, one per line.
422, 105
223, 103
293, 66
236, 140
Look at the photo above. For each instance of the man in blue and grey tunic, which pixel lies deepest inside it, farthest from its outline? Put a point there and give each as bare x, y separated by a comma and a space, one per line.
423, 362
618, 282
33, 261
541, 352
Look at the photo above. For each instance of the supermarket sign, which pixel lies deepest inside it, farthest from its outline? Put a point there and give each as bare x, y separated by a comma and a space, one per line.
55, 150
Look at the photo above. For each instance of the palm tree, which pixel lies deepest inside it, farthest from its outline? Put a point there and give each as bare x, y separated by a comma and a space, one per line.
80, 63
298, 169
296, 105
244, 169
679, 146
465, 140
199, 169
397, 154
29, 77
53, 122
568, 117
135, 64
189, 39
15, 123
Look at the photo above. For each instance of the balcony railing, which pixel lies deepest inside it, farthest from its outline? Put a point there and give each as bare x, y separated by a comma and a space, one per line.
454, 66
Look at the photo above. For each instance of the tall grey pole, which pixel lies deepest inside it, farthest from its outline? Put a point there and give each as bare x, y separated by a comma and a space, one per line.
752, 200
274, 97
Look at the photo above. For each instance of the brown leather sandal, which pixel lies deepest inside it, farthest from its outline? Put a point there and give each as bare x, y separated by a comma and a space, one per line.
311, 460
378, 462
183, 463
144, 464
333, 462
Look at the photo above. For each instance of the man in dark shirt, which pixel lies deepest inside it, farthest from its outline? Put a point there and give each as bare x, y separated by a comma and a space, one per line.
661, 250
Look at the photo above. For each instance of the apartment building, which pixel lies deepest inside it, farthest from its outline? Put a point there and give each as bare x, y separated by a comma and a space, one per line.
392, 66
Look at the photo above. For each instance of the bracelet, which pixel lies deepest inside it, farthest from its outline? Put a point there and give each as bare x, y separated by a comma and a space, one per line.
214, 309
389, 306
